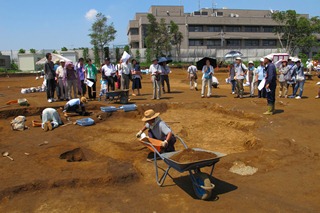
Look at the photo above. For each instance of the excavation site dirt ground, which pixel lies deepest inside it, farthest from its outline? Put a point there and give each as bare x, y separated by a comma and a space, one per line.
114, 176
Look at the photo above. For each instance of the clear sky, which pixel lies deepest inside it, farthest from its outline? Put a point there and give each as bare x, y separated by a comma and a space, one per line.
44, 24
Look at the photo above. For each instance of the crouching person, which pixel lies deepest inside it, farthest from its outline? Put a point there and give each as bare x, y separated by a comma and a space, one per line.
50, 119
159, 130
75, 107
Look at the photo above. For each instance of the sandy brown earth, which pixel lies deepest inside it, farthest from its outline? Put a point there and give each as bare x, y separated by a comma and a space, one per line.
116, 177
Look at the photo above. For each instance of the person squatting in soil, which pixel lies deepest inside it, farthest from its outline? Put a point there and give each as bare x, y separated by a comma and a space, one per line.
50, 119
158, 129
75, 106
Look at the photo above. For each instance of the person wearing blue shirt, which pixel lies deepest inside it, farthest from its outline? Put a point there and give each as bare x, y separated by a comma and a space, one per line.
271, 84
260, 75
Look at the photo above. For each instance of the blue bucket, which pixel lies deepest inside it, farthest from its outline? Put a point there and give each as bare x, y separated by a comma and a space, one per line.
129, 107
85, 122
109, 109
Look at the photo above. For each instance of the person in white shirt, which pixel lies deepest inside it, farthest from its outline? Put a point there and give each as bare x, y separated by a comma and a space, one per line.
241, 71
155, 71
125, 75
192, 76
251, 77
207, 71
108, 70
61, 78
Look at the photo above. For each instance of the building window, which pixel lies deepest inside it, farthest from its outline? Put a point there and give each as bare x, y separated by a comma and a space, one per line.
204, 13
251, 43
195, 42
233, 29
268, 29
135, 45
214, 28
233, 42
213, 42
252, 29
195, 28
134, 31
269, 42
219, 13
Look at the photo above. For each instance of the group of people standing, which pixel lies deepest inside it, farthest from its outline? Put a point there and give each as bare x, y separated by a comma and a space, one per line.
68, 80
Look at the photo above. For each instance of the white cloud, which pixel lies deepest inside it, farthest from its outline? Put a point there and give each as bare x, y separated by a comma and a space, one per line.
91, 14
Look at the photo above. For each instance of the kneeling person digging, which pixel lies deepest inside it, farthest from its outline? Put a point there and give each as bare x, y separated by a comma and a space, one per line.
159, 130
75, 107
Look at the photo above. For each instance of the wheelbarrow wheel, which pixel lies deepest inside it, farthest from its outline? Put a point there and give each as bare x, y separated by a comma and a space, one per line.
202, 179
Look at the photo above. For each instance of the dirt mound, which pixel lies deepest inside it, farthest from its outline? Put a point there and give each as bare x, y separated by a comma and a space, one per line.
190, 155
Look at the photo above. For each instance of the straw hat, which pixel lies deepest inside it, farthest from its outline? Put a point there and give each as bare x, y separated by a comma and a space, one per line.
150, 114
250, 62
83, 100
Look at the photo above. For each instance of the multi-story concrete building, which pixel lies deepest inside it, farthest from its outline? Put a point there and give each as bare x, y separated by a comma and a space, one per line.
219, 29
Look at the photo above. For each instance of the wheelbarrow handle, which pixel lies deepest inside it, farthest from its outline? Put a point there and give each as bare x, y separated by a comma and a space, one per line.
208, 188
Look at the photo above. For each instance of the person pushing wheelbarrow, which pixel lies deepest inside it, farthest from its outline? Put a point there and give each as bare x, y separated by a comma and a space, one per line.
158, 129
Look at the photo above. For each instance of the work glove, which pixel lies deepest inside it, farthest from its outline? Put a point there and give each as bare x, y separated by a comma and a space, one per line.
164, 143
138, 135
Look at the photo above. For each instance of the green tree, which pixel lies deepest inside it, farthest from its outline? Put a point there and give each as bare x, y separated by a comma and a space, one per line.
32, 50
118, 54
148, 55
22, 51
152, 38
106, 52
176, 38
96, 56
296, 32
54, 51
101, 33
64, 49
85, 53
127, 49
138, 55
165, 38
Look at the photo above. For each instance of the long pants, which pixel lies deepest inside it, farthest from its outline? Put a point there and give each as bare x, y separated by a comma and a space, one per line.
240, 87
261, 93
156, 87
293, 86
51, 83
299, 85
171, 142
203, 88
252, 86
72, 85
271, 95
119, 82
165, 78
233, 85
283, 90
193, 82
63, 89
110, 80
82, 88
125, 81
92, 92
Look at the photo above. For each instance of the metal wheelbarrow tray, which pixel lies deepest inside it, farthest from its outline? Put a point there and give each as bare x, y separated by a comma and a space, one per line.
120, 95
201, 181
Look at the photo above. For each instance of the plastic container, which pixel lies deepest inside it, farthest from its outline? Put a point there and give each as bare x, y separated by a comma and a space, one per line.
128, 107
85, 122
109, 109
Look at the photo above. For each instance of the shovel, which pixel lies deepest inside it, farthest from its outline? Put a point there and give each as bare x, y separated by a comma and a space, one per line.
6, 154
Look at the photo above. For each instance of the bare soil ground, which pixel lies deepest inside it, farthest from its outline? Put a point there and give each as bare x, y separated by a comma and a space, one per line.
115, 176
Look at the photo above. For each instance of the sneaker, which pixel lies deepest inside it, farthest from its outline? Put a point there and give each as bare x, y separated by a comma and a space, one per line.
202, 96
158, 98
298, 97
317, 96
53, 100
196, 89
50, 100
233, 93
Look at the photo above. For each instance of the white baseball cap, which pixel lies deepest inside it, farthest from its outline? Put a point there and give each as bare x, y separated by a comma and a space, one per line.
238, 58
269, 57
250, 62
261, 59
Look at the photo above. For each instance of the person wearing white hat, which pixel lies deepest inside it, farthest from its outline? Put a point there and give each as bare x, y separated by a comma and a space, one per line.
300, 80
260, 75
251, 77
155, 71
241, 71
283, 70
271, 84
158, 129
61, 80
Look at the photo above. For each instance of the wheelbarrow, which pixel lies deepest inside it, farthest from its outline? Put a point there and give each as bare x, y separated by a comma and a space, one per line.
121, 95
201, 182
